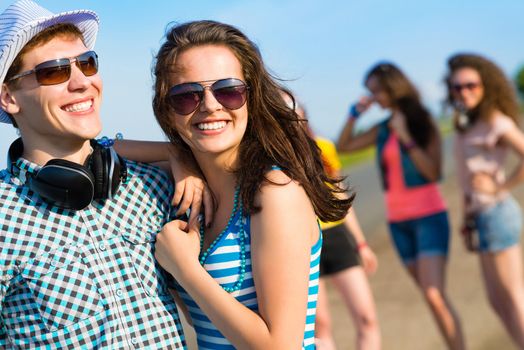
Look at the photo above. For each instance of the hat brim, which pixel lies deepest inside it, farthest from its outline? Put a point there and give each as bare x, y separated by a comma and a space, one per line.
86, 21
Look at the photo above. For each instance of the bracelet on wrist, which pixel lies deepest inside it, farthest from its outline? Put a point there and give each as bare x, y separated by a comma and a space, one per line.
107, 142
354, 112
361, 245
409, 145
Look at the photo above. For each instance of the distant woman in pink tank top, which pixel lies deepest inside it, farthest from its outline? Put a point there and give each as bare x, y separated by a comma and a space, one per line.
409, 159
486, 124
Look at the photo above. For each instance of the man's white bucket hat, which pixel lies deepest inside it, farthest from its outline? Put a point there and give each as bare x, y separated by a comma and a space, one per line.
24, 19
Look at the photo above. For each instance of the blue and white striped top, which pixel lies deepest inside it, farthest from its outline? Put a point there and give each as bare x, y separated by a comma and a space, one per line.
223, 264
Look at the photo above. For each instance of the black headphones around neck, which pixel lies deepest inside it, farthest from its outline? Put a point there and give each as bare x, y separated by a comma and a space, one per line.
73, 186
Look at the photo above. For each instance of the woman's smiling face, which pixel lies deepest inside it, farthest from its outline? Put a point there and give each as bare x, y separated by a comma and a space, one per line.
211, 128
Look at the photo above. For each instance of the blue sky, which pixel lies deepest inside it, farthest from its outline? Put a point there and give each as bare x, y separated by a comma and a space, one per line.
321, 48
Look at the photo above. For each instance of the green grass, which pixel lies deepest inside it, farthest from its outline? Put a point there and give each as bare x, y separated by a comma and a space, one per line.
357, 157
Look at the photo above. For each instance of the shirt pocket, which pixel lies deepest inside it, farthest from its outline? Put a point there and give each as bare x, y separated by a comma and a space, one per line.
62, 287
141, 251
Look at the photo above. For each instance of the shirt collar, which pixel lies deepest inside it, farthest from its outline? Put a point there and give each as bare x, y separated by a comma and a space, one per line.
23, 168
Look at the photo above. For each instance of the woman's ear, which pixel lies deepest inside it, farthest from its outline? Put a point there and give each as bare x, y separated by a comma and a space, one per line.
8, 101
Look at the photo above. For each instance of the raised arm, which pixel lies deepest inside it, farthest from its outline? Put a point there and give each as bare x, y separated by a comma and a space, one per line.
143, 151
427, 160
347, 140
190, 186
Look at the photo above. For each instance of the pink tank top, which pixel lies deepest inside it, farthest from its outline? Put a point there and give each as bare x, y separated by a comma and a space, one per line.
407, 203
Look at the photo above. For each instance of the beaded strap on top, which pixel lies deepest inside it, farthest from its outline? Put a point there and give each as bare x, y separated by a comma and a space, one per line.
237, 206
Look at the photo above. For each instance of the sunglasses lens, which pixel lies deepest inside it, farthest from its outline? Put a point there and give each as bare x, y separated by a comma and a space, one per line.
466, 86
185, 98
230, 93
53, 75
88, 63
59, 71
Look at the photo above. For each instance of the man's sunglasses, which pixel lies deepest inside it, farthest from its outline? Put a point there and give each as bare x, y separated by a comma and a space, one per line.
59, 70
468, 86
230, 93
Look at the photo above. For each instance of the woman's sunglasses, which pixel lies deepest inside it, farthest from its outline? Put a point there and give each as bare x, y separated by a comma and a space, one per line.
468, 86
230, 93
59, 70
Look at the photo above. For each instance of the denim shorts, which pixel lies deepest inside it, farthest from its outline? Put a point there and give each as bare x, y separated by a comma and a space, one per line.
499, 226
424, 236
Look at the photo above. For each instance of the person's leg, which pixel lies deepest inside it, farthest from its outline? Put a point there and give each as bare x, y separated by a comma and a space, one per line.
431, 277
339, 253
323, 331
354, 288
505, 288
499, 228
432, 236
403, 237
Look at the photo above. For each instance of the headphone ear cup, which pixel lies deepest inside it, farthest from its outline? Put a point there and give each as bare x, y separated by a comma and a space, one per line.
64, 183
99, 168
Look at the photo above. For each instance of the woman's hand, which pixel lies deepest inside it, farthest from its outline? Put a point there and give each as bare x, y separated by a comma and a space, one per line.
190, 190
360, 106
484, 183
369, 260
177, 248
469, 234
399, 125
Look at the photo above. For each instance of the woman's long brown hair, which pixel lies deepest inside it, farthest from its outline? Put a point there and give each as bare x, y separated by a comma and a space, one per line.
499, 94
405, 97
274, 134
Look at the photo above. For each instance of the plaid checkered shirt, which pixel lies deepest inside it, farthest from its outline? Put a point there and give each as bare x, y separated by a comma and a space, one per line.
85, 279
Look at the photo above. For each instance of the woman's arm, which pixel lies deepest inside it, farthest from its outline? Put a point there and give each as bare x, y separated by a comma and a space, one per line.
143, 151
514, 138
427, 160
369, 259
190, 187
348, 142
281, 238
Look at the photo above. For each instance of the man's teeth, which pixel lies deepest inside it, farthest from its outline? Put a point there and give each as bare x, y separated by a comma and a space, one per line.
212, 126
79, 107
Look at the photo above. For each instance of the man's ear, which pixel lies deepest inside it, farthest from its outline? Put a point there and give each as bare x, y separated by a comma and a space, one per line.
8, 100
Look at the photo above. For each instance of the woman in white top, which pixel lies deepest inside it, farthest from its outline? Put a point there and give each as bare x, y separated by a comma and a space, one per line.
486, 124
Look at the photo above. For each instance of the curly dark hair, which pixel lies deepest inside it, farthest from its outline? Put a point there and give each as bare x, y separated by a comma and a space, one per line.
274, 134
499, 94
406, 98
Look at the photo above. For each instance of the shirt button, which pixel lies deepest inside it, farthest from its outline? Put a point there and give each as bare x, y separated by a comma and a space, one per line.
119, 293
134, 341
102, 246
